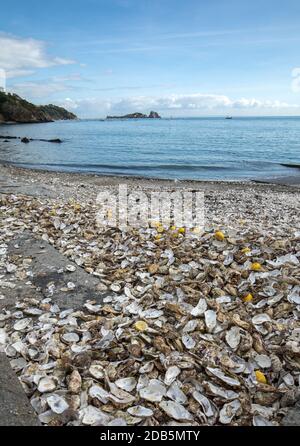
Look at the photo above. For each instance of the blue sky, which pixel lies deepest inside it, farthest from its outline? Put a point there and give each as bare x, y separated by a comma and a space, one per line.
181, 58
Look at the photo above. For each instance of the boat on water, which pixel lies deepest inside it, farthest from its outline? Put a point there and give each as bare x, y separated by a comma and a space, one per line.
228, 117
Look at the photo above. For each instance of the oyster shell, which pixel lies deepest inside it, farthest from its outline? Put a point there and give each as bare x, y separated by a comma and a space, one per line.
176, 411
57, 404
154, 391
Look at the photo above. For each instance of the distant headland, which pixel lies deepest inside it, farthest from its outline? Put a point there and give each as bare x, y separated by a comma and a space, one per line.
152, 115
15, 109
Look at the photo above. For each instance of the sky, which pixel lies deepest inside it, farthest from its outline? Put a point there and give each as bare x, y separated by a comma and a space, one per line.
178, 57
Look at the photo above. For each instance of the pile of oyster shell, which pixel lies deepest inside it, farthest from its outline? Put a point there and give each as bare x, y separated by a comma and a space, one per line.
195, 329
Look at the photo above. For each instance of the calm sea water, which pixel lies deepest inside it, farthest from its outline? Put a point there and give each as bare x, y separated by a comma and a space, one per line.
204, 148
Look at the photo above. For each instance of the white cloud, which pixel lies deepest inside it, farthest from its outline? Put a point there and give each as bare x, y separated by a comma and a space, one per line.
18, 57
179, 105
296, 80
38, 89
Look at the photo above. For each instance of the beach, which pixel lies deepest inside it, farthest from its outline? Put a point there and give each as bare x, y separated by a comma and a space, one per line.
150, 326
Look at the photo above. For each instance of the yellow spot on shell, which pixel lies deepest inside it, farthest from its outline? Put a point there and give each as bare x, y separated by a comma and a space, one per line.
160, 229
248, 298
157, 237
155, 224
181, 230
219, 236
140, 326
256, 266
260, 377
246, 250
173, 228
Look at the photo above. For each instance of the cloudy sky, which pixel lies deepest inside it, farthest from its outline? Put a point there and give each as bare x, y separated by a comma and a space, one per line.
180, 58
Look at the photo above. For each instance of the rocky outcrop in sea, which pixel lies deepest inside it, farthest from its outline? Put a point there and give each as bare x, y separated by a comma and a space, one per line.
152, 115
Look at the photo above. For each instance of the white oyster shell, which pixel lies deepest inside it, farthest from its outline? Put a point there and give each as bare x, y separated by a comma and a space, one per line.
176, 411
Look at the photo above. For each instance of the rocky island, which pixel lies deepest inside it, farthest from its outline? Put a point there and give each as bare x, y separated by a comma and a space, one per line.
15, 109
152, 115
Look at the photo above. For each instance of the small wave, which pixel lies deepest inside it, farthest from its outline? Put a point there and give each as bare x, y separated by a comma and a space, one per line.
127, 167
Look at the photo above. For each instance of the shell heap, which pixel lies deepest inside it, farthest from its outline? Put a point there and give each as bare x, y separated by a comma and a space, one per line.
198, 328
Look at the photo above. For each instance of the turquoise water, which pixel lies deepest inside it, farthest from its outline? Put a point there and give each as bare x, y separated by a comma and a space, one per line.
204, 148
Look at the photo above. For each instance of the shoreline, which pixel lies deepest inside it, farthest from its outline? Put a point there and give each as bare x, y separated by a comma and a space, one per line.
72, 180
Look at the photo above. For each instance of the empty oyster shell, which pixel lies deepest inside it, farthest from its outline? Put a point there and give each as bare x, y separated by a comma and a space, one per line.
96, 371
127, 384
140, 411
261, 319
46, 384
171, 374
57, 404
210, 319
22, 324
233, 337
70, 338
224, 378
190, 326
154, 392
176, 411
99, 393
200, 308
90, 415
204, 403
176, 394
188, 341
263, 361
229, 411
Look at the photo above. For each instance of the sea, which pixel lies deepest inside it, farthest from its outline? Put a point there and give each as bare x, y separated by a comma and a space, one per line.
189, 148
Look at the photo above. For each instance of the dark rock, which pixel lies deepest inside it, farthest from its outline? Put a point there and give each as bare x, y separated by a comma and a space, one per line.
15, 408
27, 140
8, 137
49, 266
57, 140
154, 115
130, 116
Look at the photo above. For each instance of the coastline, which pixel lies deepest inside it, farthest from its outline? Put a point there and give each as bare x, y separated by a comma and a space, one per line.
69, 182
